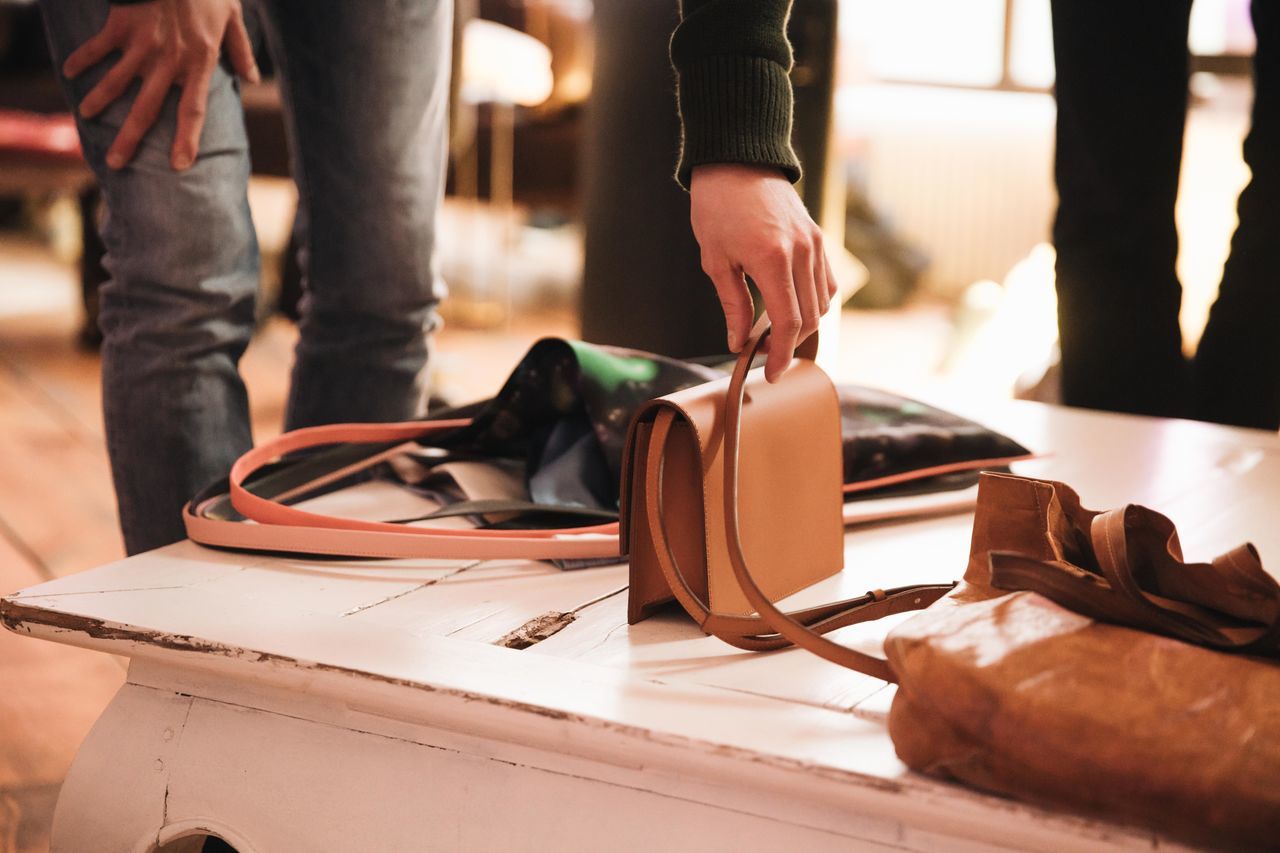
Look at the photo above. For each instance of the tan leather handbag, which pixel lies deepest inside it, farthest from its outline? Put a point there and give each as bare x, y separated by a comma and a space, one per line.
732, 500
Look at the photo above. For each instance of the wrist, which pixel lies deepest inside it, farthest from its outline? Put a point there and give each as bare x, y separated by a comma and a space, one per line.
726, 172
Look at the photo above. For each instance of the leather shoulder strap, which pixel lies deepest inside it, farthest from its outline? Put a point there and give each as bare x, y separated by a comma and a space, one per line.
285, 528
1231, 604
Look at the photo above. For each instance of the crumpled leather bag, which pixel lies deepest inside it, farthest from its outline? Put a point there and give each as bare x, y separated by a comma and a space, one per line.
1015, 693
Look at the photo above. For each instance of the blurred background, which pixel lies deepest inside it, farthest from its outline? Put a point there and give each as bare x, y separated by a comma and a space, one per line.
926, 130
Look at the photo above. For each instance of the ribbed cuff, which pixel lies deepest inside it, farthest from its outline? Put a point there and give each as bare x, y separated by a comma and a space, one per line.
736, 109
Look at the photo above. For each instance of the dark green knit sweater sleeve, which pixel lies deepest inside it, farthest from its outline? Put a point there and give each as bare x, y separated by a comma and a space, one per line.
731, 59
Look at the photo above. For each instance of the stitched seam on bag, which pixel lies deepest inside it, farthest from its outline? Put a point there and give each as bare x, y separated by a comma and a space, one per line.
1246, 569
1044, 519
1111, 550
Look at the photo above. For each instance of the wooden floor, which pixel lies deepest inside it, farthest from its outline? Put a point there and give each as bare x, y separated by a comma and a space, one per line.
57, 508
56, 517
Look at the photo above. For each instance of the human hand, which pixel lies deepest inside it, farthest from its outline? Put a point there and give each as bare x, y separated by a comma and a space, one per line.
749, 220
164, 43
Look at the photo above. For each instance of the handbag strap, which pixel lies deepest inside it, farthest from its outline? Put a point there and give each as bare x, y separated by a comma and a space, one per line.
773, 628
1231, 604
286, 528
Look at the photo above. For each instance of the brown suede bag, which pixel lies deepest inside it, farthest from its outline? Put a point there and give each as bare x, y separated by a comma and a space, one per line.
1015, 693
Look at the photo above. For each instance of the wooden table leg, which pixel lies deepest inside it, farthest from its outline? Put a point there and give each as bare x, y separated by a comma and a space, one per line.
114, 796
161, 766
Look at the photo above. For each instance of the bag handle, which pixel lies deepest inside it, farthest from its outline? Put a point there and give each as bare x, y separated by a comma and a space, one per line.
773, 628
1231, 604
286, 528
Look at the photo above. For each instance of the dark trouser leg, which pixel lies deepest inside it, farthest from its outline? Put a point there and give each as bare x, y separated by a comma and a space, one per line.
1236, 375
1122, 96
366, 93
92, 272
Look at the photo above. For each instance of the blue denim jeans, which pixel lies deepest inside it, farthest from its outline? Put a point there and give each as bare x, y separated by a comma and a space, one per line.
365, 91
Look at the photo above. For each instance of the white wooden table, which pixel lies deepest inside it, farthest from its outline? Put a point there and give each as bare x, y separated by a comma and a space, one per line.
286, 704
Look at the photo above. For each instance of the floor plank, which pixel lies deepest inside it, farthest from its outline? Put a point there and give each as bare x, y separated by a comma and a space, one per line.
26, 816
56, 497
41, 353
52, 695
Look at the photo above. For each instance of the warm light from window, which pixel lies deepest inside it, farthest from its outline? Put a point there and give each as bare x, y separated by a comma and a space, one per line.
1221, 27
928, 41
1031, 52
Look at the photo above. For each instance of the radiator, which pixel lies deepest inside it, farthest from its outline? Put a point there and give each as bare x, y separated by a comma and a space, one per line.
966, 176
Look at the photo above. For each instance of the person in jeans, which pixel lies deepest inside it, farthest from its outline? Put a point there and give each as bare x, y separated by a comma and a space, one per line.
1122, 70
365, 91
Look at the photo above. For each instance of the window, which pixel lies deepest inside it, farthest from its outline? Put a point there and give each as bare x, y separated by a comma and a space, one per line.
1005, 44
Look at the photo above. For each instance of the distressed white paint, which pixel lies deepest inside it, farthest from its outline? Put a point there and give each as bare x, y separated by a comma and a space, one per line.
362, 705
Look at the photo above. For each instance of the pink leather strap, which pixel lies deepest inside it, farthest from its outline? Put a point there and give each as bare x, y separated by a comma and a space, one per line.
286, 528
916, 474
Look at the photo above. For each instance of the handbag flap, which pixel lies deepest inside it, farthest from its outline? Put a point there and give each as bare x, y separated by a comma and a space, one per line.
790, 481
682, 497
